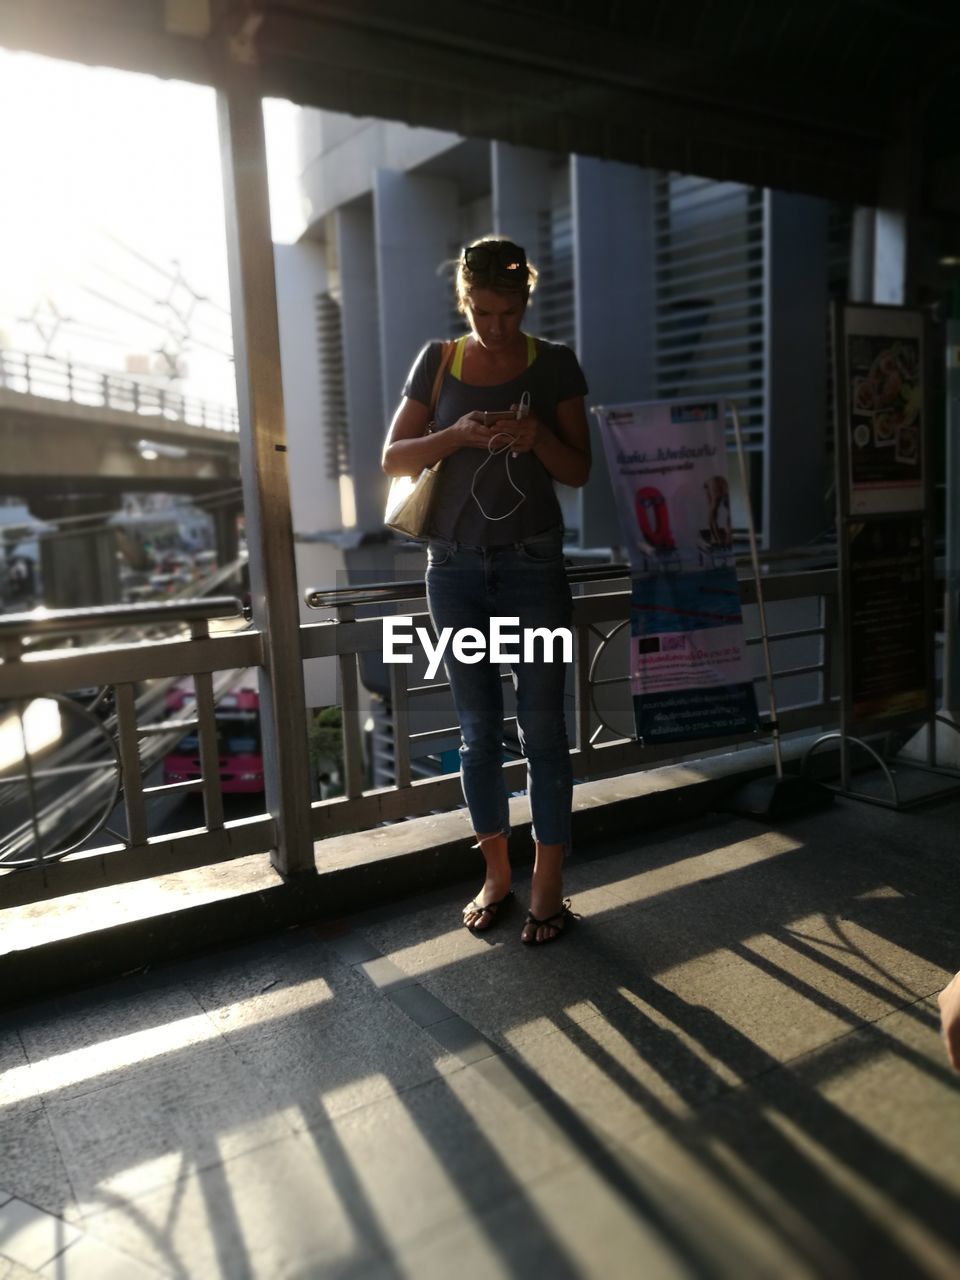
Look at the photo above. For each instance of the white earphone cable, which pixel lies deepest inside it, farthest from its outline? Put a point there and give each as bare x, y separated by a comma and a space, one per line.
492, 453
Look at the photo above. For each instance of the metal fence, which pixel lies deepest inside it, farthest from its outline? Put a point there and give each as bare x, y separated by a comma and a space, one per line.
801, 612
53, 379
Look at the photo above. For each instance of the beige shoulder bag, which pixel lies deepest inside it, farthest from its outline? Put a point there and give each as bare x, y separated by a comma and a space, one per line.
410, 500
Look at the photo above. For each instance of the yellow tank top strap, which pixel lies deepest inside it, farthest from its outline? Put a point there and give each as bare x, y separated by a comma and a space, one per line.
456, 364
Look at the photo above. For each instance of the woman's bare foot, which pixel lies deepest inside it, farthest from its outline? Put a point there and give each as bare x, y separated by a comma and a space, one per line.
546, 894
480, 914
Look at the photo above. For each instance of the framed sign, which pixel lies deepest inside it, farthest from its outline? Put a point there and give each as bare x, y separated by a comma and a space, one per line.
889, 673
883, 521
881, 409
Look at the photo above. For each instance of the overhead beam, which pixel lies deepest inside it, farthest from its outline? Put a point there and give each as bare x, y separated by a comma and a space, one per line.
561, 87
580, 83
127, 35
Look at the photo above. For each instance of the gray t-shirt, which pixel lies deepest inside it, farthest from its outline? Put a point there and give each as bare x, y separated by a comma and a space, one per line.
555, 375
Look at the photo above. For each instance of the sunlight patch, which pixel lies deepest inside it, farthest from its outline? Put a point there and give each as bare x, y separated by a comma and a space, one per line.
685, 871
67, 1070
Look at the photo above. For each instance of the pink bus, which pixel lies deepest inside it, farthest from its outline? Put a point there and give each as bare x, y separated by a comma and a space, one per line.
238, 737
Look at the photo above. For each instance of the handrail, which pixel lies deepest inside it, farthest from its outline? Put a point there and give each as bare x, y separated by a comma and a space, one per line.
599, 746
41, 622
339, 597
335, 597
29, 373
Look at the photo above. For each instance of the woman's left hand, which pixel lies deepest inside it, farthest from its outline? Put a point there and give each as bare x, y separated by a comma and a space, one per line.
525, 432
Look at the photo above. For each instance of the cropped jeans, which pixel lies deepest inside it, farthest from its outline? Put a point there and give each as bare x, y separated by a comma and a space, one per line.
466, 587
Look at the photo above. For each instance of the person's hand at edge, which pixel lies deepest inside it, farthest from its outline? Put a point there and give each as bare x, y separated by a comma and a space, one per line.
949, 1001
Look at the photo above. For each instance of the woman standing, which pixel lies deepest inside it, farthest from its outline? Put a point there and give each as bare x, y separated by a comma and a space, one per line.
496, 550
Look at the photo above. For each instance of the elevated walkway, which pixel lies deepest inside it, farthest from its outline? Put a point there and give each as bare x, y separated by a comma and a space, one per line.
54, 944
63, 423
729, 1068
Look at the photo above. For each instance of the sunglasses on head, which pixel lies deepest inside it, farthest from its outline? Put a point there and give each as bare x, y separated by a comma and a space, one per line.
501, 256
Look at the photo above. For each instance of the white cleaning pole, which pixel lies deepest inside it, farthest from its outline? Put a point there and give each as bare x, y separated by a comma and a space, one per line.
765, 643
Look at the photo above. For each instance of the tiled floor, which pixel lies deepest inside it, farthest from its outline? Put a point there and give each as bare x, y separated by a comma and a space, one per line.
730, 1068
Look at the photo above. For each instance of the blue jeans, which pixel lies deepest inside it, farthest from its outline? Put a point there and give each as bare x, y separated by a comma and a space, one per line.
466, 586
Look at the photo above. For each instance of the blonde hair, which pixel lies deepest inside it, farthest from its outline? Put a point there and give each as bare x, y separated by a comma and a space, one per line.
465, 280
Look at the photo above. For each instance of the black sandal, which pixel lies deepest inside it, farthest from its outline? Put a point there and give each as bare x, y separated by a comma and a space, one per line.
560, 922
491, 907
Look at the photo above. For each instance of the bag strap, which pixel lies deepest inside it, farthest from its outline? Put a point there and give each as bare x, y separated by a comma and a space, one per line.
446, 355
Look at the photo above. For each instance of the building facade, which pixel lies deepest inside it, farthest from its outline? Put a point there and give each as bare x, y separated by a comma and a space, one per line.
666, 285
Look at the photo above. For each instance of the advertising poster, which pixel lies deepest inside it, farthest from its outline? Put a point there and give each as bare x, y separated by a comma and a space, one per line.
688, 667
884, 410
888, 668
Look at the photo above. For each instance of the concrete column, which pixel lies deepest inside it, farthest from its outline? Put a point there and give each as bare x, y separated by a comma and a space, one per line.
416, 221
366, 404
78, 564
862, 254
226, 534
521, 184
890, 268
263, 455
301, 273
796, 304
897, 212
951, 656
614, 258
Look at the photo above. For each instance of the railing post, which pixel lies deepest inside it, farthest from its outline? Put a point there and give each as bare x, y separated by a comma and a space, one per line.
582, 687
263, 453
133, 800
350, 703
400, 707
12, 651
207, 729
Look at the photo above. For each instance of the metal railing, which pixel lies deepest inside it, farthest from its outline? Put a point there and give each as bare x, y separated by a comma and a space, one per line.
53, 379
53, 790
602, 742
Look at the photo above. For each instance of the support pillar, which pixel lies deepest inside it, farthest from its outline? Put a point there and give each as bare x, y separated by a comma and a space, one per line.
613, 277
302, 288
367, 405
891, 251
78, 563
521, 180
226, 534
862, 237
894, 276
416, 224
794, 461
263, 452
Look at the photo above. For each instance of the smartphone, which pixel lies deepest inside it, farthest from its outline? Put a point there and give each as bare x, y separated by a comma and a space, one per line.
490, 417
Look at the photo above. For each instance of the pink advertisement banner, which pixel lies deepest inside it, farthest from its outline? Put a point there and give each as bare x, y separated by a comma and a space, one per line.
689, 672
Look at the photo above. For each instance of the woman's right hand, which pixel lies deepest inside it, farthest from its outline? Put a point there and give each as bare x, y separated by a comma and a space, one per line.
411, 445
469, 432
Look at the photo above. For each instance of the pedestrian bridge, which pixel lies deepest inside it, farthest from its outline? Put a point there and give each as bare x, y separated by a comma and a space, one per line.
729, 1068
66, 425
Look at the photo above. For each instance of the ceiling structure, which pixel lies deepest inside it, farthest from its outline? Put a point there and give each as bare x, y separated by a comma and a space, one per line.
850, 99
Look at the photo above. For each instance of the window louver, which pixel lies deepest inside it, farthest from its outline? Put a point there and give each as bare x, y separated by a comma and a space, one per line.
553, 301
333, 394
710, 309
